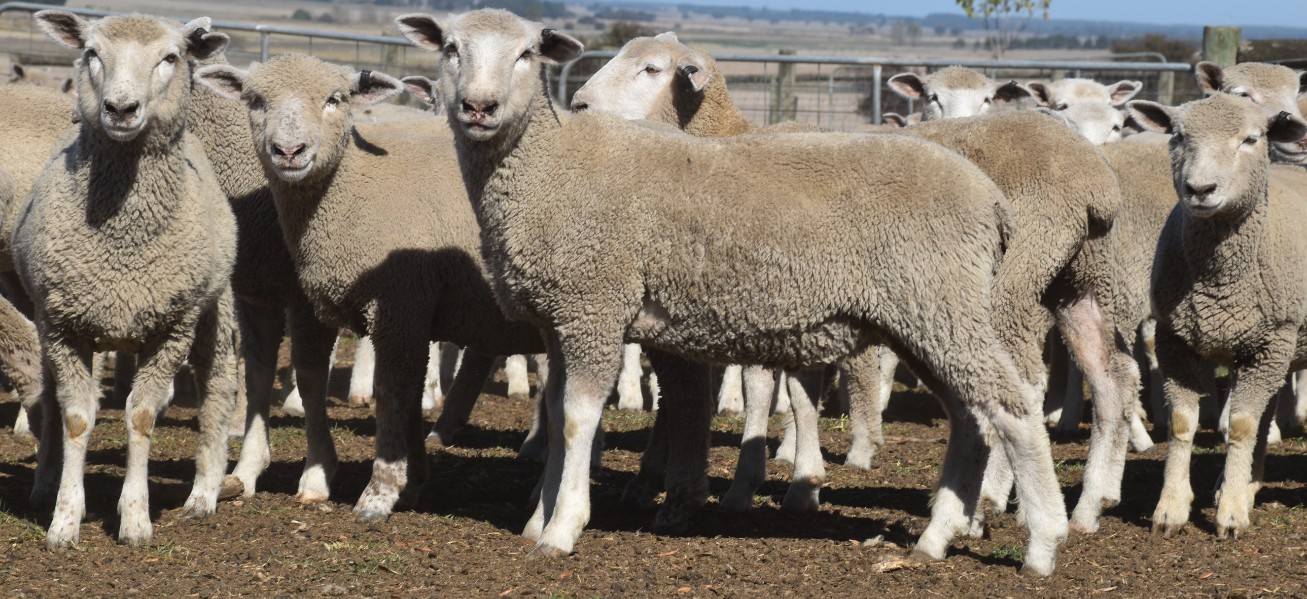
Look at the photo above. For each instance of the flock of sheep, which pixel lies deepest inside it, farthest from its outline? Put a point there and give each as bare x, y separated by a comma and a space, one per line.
195, 212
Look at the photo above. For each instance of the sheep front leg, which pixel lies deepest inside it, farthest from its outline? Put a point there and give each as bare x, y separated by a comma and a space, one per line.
261, 332
689, 409
515, 371
751, 469
399, 468
362, 378
473, 372
1185, 385
870, 375
591, 362
809, 466
629, 395
730, 396
312, 347
1252, 394
214, 357
76, 395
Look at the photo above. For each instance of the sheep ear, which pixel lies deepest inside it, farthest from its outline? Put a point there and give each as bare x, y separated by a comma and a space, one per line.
201, 43
1210, 77
1040, 92
1057, 114
894, 119
225, 80
669, 36
695, 70
367, 88
558, 47
422, 88
908, 85
1122, 91
63, 27
1152, 116
423, 30
1302, 83
67, 86
1286, 128
17, 71
1012, 92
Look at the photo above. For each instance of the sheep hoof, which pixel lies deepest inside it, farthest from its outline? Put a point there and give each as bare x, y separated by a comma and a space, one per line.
1030, 570
370, 516
736, 502
802, 498
860, 458
1084, 528
921, 557
310, 498
638, 495
1167, 530
445, 435
231, 488
671, 522
358, 401
519, 396
546, 551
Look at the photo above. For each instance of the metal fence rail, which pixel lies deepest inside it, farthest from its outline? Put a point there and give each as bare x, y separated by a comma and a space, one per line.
837, 92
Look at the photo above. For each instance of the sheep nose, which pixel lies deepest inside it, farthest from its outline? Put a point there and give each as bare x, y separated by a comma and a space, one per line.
1201, 189
486, 108
288, 151
122, 108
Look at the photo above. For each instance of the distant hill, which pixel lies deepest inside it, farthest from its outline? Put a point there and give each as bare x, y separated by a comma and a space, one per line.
949, 21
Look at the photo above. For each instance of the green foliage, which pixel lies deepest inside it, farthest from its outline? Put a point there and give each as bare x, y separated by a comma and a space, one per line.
301, 15
1004, 19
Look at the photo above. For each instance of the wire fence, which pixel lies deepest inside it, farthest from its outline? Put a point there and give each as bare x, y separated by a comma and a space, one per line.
836, 92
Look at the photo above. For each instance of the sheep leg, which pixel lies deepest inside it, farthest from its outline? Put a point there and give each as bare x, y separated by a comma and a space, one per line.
592, 362
533, 447
362, 378
156, 368
213, 358
432, 396
1156, 393
629, 395
1253, 392
293, 404
642, 492
786, 450
1185, 385
515, 370
312, 347
809, 466
473, 373
77, 403
730, 396
399, 468
870, 377
1073, 401
689, 410
1059, 366
1300, 397
751, 469
1090, 339
956, 507
20, 361
261, 332
552, 398
45, 416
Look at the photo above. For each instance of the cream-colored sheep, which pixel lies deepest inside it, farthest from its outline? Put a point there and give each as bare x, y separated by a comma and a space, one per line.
127, 243
956, 92
807, 211
1233, 242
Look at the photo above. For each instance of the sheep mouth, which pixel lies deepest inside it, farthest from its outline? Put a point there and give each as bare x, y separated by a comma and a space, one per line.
121, 132
480, 130
1199, 209
293, 170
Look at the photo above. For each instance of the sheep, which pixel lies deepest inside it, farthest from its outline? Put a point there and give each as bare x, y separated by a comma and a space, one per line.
127, 242
1090, 107
955, 92
1231, 243
19, 74
338, 188
733, 298
1060, 185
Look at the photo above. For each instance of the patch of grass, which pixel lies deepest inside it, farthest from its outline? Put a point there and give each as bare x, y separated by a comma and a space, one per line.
1009, 552
840, 424
910, 468
372, 564
624, 421
1069, 466
27, 531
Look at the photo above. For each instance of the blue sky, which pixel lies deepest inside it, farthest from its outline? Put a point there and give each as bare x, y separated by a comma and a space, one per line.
1292, 13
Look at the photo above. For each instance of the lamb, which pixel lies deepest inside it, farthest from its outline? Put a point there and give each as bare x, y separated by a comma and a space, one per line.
127, 243
1054, 178
1232, 242
338, 189
733, 298
956, 92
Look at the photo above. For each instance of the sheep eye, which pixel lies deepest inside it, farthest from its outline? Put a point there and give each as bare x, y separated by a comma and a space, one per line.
652, 70
256, 103
451, 50
988, 100
1116, 128
170, 59
932, 98
1061, 106
333, 101
1251, 140
526, 55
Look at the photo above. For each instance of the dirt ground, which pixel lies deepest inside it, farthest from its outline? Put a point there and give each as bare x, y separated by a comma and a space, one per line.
462, 540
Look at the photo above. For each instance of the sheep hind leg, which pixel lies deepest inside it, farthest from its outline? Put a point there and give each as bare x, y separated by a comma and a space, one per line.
362, 377
751, 468
1090, 339
214, 357
730, 396
642, 492
809, 466
629, 395
474, 371
687, 386
399, 468
534, 446
313, 345
870, 377
261, 332
75, 418
515, 370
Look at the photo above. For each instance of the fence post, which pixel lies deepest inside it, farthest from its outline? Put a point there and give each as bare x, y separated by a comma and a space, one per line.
1166, 88
876, 75
1221, 45
263, 47
785, 105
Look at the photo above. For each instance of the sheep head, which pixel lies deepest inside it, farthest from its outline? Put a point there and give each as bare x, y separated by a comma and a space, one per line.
299, 109
955, 92
134, 71
491, 65
1219, 150
1273, 87
648, 79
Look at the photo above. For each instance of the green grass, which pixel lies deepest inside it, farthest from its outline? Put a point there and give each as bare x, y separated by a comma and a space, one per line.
1009, 552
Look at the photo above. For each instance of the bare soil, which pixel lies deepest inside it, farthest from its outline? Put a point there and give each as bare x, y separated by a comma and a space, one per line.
462, 539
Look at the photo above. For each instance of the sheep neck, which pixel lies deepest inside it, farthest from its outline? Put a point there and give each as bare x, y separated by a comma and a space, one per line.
1222, 250
482, 161
135, 184
711, 113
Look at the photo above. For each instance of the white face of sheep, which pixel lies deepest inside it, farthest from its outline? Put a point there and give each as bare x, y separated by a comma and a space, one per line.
1098, 123
1273, 87
132, 69
955, 92
1218, 149
1089, 107
644, 78
490, 65
299, 109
